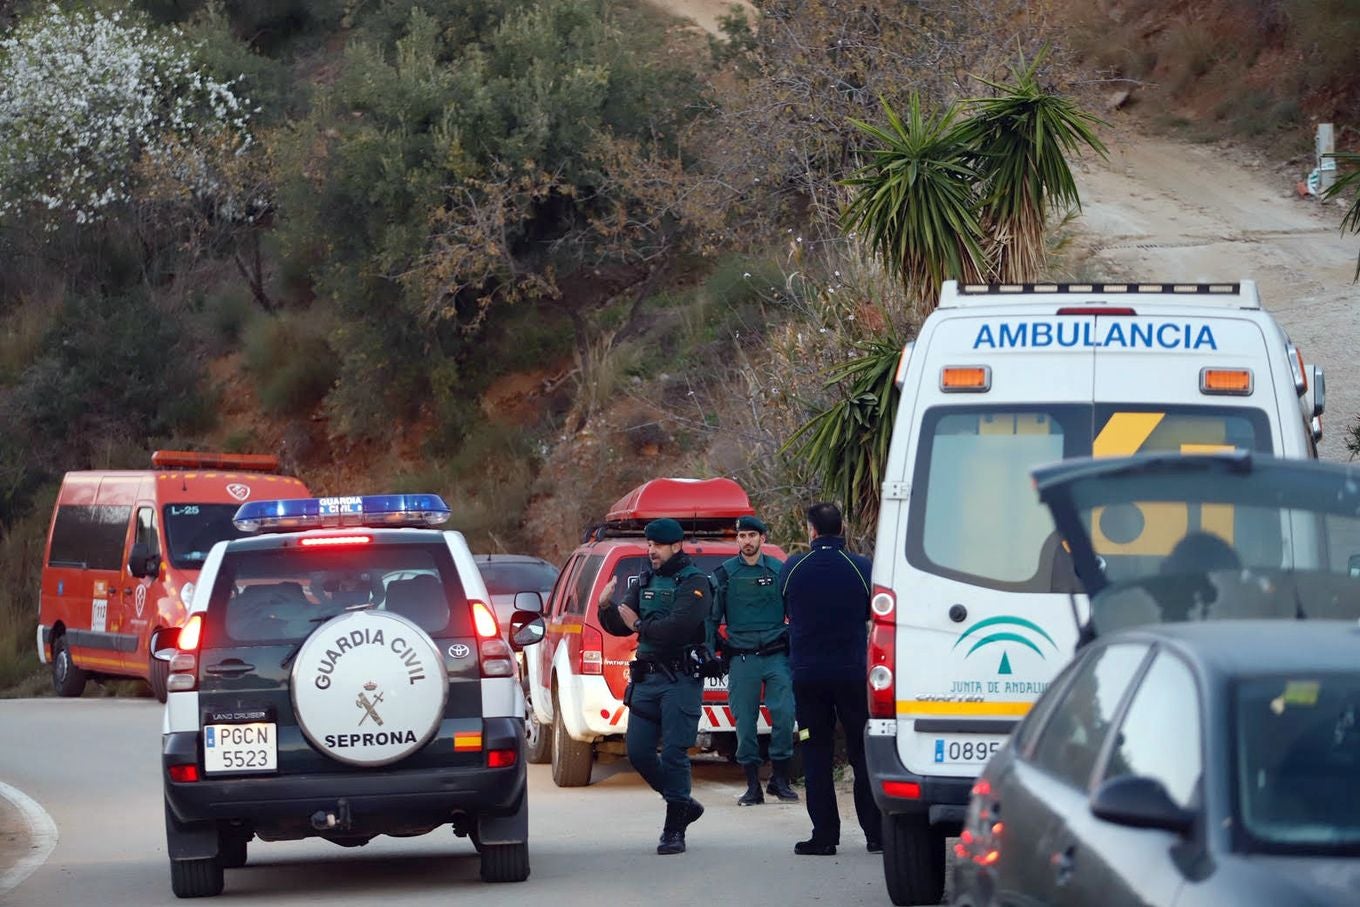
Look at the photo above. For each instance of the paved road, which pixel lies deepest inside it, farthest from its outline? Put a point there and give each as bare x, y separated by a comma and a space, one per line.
93, 764
1161, 210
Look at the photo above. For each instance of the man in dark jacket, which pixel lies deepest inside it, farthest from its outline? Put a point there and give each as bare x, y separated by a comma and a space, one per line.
667, 609
827, 592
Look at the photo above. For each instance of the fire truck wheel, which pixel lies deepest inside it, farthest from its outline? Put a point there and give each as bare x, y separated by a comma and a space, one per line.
572, 760
505, 862
537, 737
156, 677
196, 878
67, 679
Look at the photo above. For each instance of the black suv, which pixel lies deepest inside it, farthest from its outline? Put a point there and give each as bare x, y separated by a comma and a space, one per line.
342, 679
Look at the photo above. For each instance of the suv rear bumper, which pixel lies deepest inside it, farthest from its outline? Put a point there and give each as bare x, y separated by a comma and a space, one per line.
376, 801
943, 800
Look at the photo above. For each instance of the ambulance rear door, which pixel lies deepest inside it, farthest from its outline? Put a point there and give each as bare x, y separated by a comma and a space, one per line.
983, 613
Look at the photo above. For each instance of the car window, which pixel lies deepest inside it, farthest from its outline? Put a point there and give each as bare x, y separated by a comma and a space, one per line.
146, 531
628, 570
89, 536
192, 529
1298, 762
1071, 739
280, 595
509, 578
1161, 734
580, 596
1033, 722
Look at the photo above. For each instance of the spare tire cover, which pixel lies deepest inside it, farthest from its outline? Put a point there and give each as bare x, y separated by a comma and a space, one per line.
369, 688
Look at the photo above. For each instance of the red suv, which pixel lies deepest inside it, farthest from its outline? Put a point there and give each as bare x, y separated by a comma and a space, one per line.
577, 675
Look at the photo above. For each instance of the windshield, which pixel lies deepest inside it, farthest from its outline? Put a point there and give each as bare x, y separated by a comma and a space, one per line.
192, 529
282, 595
974, 516
1298, 762
508, 578
1280, 540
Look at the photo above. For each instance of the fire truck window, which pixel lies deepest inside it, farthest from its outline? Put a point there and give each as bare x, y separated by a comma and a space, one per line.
89, 536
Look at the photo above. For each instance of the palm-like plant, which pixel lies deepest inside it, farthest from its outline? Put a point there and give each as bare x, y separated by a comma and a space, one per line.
1351, 222
846, 444
1022, 137
915, 201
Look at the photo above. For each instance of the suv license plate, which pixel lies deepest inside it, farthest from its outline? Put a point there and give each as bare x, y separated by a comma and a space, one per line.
252, 747
715, 683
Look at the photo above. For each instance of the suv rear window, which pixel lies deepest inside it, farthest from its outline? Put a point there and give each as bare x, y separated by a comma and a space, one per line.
282, 595
627, 570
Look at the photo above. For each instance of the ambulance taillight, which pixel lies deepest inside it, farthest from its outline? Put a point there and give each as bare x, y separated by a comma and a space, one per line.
882, 654
183, 677
493, 652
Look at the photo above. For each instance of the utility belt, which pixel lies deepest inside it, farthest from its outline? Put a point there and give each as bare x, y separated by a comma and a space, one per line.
770, 648
670, 668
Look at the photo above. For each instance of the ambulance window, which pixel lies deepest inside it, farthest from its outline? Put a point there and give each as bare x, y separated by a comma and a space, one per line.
192, 529
974, 514
1122, 430
146, 531
89, 536
278, 596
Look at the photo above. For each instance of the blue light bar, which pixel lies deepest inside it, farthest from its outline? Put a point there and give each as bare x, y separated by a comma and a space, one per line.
374, 511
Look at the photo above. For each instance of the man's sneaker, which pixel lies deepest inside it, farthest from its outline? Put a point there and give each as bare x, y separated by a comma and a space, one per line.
814, 849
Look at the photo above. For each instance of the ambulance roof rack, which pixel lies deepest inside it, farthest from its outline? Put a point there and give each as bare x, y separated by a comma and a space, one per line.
704, 507
192, 459
1239, 295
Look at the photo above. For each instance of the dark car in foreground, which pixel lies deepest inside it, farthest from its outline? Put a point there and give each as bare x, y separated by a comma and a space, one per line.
1203, 748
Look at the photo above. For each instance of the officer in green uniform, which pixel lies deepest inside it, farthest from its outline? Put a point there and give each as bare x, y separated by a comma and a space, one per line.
667, 609
756, 651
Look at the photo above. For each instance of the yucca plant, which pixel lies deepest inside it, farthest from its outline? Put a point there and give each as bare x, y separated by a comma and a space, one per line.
846, 444
1351, 222
1022, 138
914, 201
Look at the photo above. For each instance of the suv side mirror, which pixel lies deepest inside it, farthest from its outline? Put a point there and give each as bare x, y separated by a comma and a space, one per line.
529, 601
164, 643
1140, 802
142, 563
526, 628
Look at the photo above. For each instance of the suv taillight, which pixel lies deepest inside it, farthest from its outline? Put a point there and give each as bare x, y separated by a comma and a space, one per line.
591, 660
183, 677
882, 654
493, 652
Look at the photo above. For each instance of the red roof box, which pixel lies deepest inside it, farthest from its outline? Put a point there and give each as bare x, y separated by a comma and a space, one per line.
682, 499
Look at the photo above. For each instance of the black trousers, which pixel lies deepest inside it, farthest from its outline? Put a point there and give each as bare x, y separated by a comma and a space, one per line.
819, 705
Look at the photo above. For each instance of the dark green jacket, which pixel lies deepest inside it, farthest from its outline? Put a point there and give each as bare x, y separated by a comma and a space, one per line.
673, 603
749, 602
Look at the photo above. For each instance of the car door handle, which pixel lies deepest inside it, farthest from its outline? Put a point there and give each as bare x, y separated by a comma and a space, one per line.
229, 669
1064, 864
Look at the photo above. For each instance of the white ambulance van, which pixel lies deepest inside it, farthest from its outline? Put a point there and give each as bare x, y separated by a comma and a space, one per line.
974, 594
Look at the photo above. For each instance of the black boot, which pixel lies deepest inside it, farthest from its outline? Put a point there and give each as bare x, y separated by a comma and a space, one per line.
673, 834
692, 814
779, 782
753, 794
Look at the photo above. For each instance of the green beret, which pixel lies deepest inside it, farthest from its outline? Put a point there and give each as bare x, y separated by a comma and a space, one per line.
752, 524
664, 531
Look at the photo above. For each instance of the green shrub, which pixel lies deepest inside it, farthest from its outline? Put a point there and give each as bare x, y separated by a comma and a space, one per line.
227, 310
290, 361
21, 549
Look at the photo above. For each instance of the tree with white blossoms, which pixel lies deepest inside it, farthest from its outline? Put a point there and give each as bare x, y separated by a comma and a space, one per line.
88, 99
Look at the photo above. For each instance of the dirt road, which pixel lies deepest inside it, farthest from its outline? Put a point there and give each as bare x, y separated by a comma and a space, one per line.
704, 13
1160, 210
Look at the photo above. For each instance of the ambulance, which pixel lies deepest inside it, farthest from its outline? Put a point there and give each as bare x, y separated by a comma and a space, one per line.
577, 676
974, 593
123, 552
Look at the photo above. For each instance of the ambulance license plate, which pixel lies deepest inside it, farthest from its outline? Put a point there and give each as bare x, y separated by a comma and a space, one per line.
970, 750
251, 747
